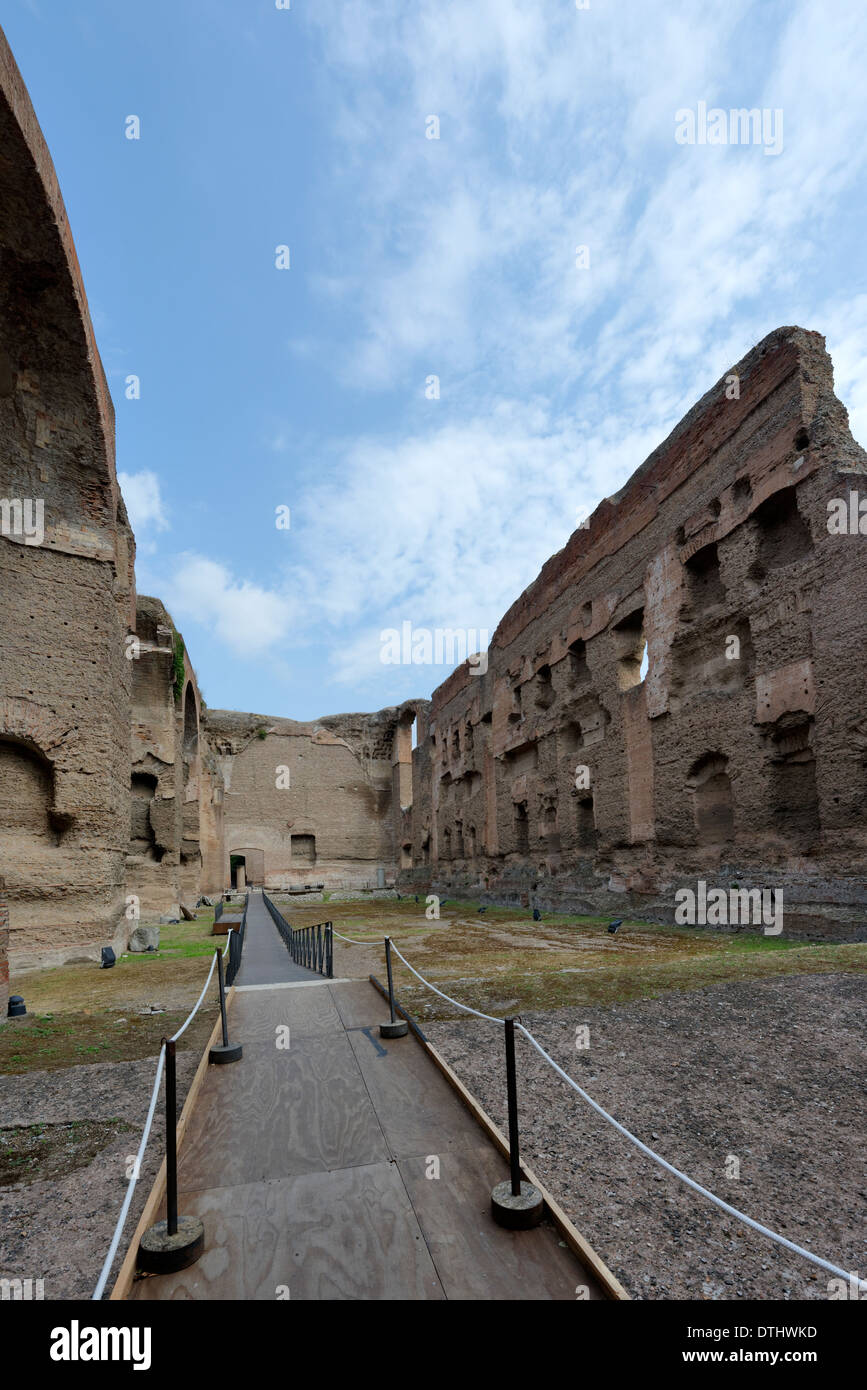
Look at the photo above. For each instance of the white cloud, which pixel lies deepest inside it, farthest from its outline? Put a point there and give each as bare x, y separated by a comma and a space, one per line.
144, 503
246, 617
557, 130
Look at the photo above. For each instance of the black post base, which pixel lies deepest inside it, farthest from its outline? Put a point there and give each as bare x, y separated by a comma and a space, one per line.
398, 1029
160, 1253
519, 1213
225, 1052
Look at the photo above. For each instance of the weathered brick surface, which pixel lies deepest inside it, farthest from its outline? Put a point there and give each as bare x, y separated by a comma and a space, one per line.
563, 775
334, 818
66, 602
735, 771
175, 787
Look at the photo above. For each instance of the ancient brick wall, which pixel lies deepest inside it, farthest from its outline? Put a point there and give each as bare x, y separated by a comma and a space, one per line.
312, 802
66, 558
173, 790
672, 698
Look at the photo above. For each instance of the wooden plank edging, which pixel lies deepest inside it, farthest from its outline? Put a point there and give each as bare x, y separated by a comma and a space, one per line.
126, 1273
588, 1257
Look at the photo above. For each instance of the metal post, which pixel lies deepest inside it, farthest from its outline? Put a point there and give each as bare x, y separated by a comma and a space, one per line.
178, 1241
171, 1140
396, 1027
390, 980
512, 1095
222, 996
514, 1204
330, 930
226, 1051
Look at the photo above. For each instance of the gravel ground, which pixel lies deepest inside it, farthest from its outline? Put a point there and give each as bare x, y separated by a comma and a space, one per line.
771, 1073
60, 1231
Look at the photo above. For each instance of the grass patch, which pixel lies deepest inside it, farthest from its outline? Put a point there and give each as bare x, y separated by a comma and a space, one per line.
29, 1153
502, 961
48, 1042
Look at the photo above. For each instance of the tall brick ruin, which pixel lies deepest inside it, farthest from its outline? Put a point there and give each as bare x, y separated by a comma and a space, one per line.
676, 697
175, 786
567, 777
66, 597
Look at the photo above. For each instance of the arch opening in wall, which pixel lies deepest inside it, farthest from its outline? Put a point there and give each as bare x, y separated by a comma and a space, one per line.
792, 794
522, 827
713, 804
585, 823
704, 585
783, 536
303, 849
544, 691
253, 860
142, 838
406, 856
579, 671
549, 830
27, 798
191, 725
630, 647
459, 839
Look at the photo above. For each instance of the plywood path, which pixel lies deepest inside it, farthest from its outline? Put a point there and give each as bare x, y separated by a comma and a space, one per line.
266, 958
310, 1166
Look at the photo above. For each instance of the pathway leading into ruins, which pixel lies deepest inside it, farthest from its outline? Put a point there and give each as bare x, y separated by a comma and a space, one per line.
330, 1164
266, 959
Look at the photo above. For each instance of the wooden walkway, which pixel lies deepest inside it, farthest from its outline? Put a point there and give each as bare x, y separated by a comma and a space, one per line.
266, 959
311, 1165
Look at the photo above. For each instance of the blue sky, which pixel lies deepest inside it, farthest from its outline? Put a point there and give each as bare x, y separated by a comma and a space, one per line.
414, 257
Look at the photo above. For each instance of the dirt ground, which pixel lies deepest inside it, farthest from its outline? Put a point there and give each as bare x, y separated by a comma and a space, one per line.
58, 1225
770, 1073
707, 1045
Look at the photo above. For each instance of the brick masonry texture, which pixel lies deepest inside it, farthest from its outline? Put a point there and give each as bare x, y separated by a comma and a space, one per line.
569, 774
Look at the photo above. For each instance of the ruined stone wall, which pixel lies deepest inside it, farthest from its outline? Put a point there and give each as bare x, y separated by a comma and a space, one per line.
172, 788
311, 802
567, 777
66, 574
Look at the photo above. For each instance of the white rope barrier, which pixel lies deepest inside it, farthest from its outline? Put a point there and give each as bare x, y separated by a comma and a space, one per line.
650, 1153
356, 941
466, 1008
124, 1211
696, 1187
184, 1026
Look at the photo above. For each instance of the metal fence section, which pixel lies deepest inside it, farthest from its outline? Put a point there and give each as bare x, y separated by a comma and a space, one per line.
236, 946
312, 947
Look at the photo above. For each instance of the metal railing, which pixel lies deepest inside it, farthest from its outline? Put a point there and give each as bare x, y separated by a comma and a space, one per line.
312, 947
236, 946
